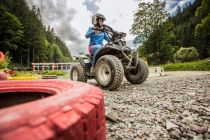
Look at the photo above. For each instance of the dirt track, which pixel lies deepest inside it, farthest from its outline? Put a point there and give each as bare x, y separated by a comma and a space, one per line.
174, 106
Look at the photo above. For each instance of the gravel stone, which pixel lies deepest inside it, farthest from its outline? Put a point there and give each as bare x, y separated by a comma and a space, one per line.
175, 106
170, 125
175, 134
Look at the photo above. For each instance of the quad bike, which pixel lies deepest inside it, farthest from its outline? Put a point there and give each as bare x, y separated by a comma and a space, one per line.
113, 61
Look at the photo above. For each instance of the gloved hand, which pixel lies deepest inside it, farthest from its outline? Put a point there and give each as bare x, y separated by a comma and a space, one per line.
98, 28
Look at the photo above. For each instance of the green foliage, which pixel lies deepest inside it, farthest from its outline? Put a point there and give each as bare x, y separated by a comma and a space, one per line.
67, 59
189, 31
24, 74
203, 65
203, 29
186, 54
58, 73
10, 30
203, 10
6, 62
65, 51
25, 36
57, 56
189, 27
157, 49
148, 17
50, 51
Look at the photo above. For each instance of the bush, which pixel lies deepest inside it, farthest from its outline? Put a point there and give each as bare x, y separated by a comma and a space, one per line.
6, 62
203, 65
186, 54
58, 73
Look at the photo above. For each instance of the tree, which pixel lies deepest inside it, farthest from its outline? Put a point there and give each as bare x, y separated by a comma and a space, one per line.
11, 31
189, 27
58, 57
148, 18
202, 29
158, 49
35, 43
65, 51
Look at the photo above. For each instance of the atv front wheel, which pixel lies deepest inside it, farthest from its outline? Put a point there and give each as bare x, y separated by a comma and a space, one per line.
109, 72
77, 73
138, 75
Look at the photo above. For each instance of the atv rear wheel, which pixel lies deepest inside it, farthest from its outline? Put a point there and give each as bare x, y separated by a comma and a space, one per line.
77, 73
109, 72
138, 75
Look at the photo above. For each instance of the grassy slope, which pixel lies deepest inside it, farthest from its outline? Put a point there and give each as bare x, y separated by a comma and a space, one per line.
202, 65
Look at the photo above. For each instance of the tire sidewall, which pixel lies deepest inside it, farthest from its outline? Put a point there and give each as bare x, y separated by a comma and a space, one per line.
117, 71
139, 73
80, 71
142, 74
73, 68
110, 65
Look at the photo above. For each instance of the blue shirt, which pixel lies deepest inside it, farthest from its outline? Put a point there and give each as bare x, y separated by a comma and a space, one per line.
96, 39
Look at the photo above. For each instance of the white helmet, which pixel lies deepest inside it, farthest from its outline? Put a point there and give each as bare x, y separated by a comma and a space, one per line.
96, 17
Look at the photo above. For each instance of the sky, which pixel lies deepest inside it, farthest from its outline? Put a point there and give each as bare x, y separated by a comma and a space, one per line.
71, 18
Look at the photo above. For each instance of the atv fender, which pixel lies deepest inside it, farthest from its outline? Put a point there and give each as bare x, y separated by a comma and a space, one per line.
111, 49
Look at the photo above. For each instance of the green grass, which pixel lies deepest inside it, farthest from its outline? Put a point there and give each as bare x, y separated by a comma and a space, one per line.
24, 74
32, 74
67, 76
58, 73
202, 65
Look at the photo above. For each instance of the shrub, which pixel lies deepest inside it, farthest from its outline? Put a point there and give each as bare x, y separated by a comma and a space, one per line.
58, 73
186, 54
6, 62
202, 65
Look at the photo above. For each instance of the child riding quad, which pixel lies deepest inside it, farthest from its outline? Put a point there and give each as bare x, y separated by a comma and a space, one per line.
109, 64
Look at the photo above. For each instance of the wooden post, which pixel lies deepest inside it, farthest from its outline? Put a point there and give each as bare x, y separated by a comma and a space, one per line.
42, 67
33, 67
61, 66
53, 66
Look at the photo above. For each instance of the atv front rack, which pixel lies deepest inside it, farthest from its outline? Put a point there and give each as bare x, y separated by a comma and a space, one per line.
132, 57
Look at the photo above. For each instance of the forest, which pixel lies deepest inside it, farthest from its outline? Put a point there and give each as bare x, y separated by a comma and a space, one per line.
180, 37
25, 39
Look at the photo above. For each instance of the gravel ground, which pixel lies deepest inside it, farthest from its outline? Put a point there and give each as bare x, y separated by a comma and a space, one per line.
176, 106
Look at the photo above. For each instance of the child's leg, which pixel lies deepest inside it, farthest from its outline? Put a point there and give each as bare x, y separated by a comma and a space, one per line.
94, 51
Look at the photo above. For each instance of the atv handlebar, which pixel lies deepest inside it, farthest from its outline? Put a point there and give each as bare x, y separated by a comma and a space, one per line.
114, 34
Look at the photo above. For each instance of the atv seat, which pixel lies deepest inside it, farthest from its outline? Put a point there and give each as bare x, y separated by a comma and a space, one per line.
90, 56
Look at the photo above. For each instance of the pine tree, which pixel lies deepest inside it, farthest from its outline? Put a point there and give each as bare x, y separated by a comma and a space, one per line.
11, 31
29, 41
202, 29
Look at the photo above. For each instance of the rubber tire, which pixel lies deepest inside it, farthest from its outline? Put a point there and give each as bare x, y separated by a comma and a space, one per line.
141, 75
81, 73
71, 113
117, 73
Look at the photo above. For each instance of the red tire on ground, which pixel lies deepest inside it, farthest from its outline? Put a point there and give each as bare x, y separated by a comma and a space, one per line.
1, 57
74, 112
